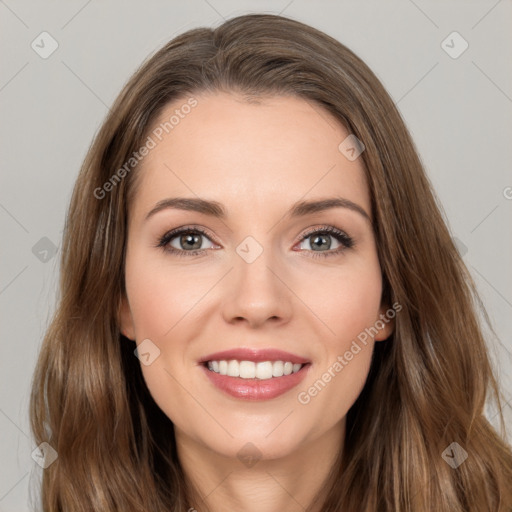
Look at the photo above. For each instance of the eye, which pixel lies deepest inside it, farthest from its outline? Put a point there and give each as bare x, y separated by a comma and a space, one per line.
319, 239
184, 241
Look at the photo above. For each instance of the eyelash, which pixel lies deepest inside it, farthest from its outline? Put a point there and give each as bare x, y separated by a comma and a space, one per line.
346, 241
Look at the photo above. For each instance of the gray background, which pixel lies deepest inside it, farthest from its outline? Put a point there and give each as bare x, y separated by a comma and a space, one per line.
458, 110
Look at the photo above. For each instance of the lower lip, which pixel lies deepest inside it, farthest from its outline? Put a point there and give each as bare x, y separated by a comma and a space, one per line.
256, 389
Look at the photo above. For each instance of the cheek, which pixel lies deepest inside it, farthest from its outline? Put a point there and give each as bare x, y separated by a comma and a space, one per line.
160, 296
350, 308
348, 304
346, 301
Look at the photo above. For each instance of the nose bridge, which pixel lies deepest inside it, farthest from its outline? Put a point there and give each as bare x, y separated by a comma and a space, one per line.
258, 292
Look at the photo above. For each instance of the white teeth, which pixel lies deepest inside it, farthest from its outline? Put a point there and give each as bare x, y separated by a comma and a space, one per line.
233, 368
277, 369
249, 370
264, 370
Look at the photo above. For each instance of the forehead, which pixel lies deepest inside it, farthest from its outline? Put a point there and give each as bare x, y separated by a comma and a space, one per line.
249, 154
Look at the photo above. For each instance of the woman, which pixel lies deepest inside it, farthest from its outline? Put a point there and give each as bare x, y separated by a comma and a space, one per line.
261, 307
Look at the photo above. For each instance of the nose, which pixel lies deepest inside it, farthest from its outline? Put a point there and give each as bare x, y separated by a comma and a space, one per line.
257, 293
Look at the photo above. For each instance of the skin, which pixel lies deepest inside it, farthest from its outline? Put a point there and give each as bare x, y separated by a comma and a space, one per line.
257, 159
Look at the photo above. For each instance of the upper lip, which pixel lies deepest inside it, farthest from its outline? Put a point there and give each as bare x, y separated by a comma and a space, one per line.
256, 355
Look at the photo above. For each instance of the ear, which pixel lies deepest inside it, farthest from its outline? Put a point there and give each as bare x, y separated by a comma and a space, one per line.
125, 319
385, 323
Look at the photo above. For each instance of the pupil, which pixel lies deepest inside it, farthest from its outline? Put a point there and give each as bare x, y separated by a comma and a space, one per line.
191, 241
327, 242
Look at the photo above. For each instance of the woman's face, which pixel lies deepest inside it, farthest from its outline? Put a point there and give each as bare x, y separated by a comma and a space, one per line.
260, 280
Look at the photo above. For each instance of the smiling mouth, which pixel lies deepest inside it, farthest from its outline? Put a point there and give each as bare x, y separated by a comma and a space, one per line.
261, 370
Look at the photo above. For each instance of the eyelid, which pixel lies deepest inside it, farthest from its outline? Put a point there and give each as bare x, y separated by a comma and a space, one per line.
190, 227
322, 228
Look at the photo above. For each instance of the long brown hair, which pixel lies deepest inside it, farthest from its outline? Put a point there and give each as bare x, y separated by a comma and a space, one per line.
428, 382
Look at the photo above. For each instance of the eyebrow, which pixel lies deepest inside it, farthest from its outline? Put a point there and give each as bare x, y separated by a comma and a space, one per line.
216, 209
